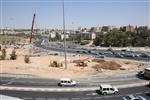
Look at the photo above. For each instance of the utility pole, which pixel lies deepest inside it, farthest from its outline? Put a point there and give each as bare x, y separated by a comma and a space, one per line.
65, 50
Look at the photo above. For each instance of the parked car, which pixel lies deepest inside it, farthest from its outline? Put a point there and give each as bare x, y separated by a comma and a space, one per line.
101, 56
134, 97
108, 89
140, 74
66, 82
123, 49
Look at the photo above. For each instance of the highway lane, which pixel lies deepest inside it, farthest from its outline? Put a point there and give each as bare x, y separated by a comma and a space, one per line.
41, 82
86, 95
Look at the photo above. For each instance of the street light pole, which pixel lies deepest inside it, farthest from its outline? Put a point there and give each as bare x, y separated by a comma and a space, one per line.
65, 50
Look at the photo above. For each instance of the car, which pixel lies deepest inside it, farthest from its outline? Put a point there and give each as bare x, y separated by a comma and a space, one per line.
134, 97
144, 55
109, 49
123, 49
100, 56
66, 82
119, 55
140, 74
149, 84
108, 89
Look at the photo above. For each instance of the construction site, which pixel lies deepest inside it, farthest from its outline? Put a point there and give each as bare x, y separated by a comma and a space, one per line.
32, 60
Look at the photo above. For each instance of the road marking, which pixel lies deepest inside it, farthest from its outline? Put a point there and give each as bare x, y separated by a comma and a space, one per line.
63, 99
86, 98
110, 96
139, 93
26, 98
51, 99
92, 93
147, 92
75, 98
40, 98
98, 97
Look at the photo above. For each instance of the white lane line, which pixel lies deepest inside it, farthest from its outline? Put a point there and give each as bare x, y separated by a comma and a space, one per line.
86, 98
51, 99
147, 92
63, 98
97, 97
139, 93
111, 96
40, 99
75, 98
26, 98
93, 93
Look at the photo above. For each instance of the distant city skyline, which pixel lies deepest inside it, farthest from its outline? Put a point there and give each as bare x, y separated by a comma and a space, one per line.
84, 13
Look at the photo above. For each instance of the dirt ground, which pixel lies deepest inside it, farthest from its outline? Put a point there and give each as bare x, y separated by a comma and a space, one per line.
39, 66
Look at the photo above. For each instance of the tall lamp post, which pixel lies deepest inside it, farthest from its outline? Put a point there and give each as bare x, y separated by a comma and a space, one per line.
65, 50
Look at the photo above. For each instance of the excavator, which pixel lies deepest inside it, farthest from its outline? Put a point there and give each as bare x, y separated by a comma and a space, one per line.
82, 62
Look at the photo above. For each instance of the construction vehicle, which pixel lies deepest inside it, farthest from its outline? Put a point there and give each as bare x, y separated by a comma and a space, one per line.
82, 62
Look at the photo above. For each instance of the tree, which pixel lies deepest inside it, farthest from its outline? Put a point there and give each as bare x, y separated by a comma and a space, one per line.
79, 38
58, 37
123, 39
13, 55
98, 40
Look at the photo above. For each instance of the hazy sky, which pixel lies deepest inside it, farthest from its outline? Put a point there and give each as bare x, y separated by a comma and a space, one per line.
86, 13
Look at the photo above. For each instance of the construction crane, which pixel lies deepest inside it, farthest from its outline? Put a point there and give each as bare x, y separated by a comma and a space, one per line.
32, 29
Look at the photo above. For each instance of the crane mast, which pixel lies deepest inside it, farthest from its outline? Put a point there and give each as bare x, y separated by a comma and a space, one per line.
33, 20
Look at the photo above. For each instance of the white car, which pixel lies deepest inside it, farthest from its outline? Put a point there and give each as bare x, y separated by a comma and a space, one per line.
67, 82
108, 89
134, 97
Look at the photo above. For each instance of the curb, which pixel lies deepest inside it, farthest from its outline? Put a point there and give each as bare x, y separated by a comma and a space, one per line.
71, 89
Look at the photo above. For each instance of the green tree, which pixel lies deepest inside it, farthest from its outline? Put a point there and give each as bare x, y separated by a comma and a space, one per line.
79, 38
98, 40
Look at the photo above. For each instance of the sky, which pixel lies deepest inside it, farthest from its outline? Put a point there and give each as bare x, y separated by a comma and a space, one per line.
84, 13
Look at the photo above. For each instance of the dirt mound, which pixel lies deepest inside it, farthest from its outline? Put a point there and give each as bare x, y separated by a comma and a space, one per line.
108, 65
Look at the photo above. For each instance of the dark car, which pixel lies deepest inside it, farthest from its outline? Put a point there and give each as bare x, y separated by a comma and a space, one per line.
140, 74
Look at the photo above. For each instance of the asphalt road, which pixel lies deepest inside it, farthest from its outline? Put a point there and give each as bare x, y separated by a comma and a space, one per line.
93, 81
86, 95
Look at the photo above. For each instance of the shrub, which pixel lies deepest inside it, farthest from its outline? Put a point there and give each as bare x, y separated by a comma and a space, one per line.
55, 64
13, 55
26, 59
84, 42
3, 55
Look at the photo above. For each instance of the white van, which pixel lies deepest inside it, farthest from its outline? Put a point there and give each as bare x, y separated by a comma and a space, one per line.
66, 82
108, 89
